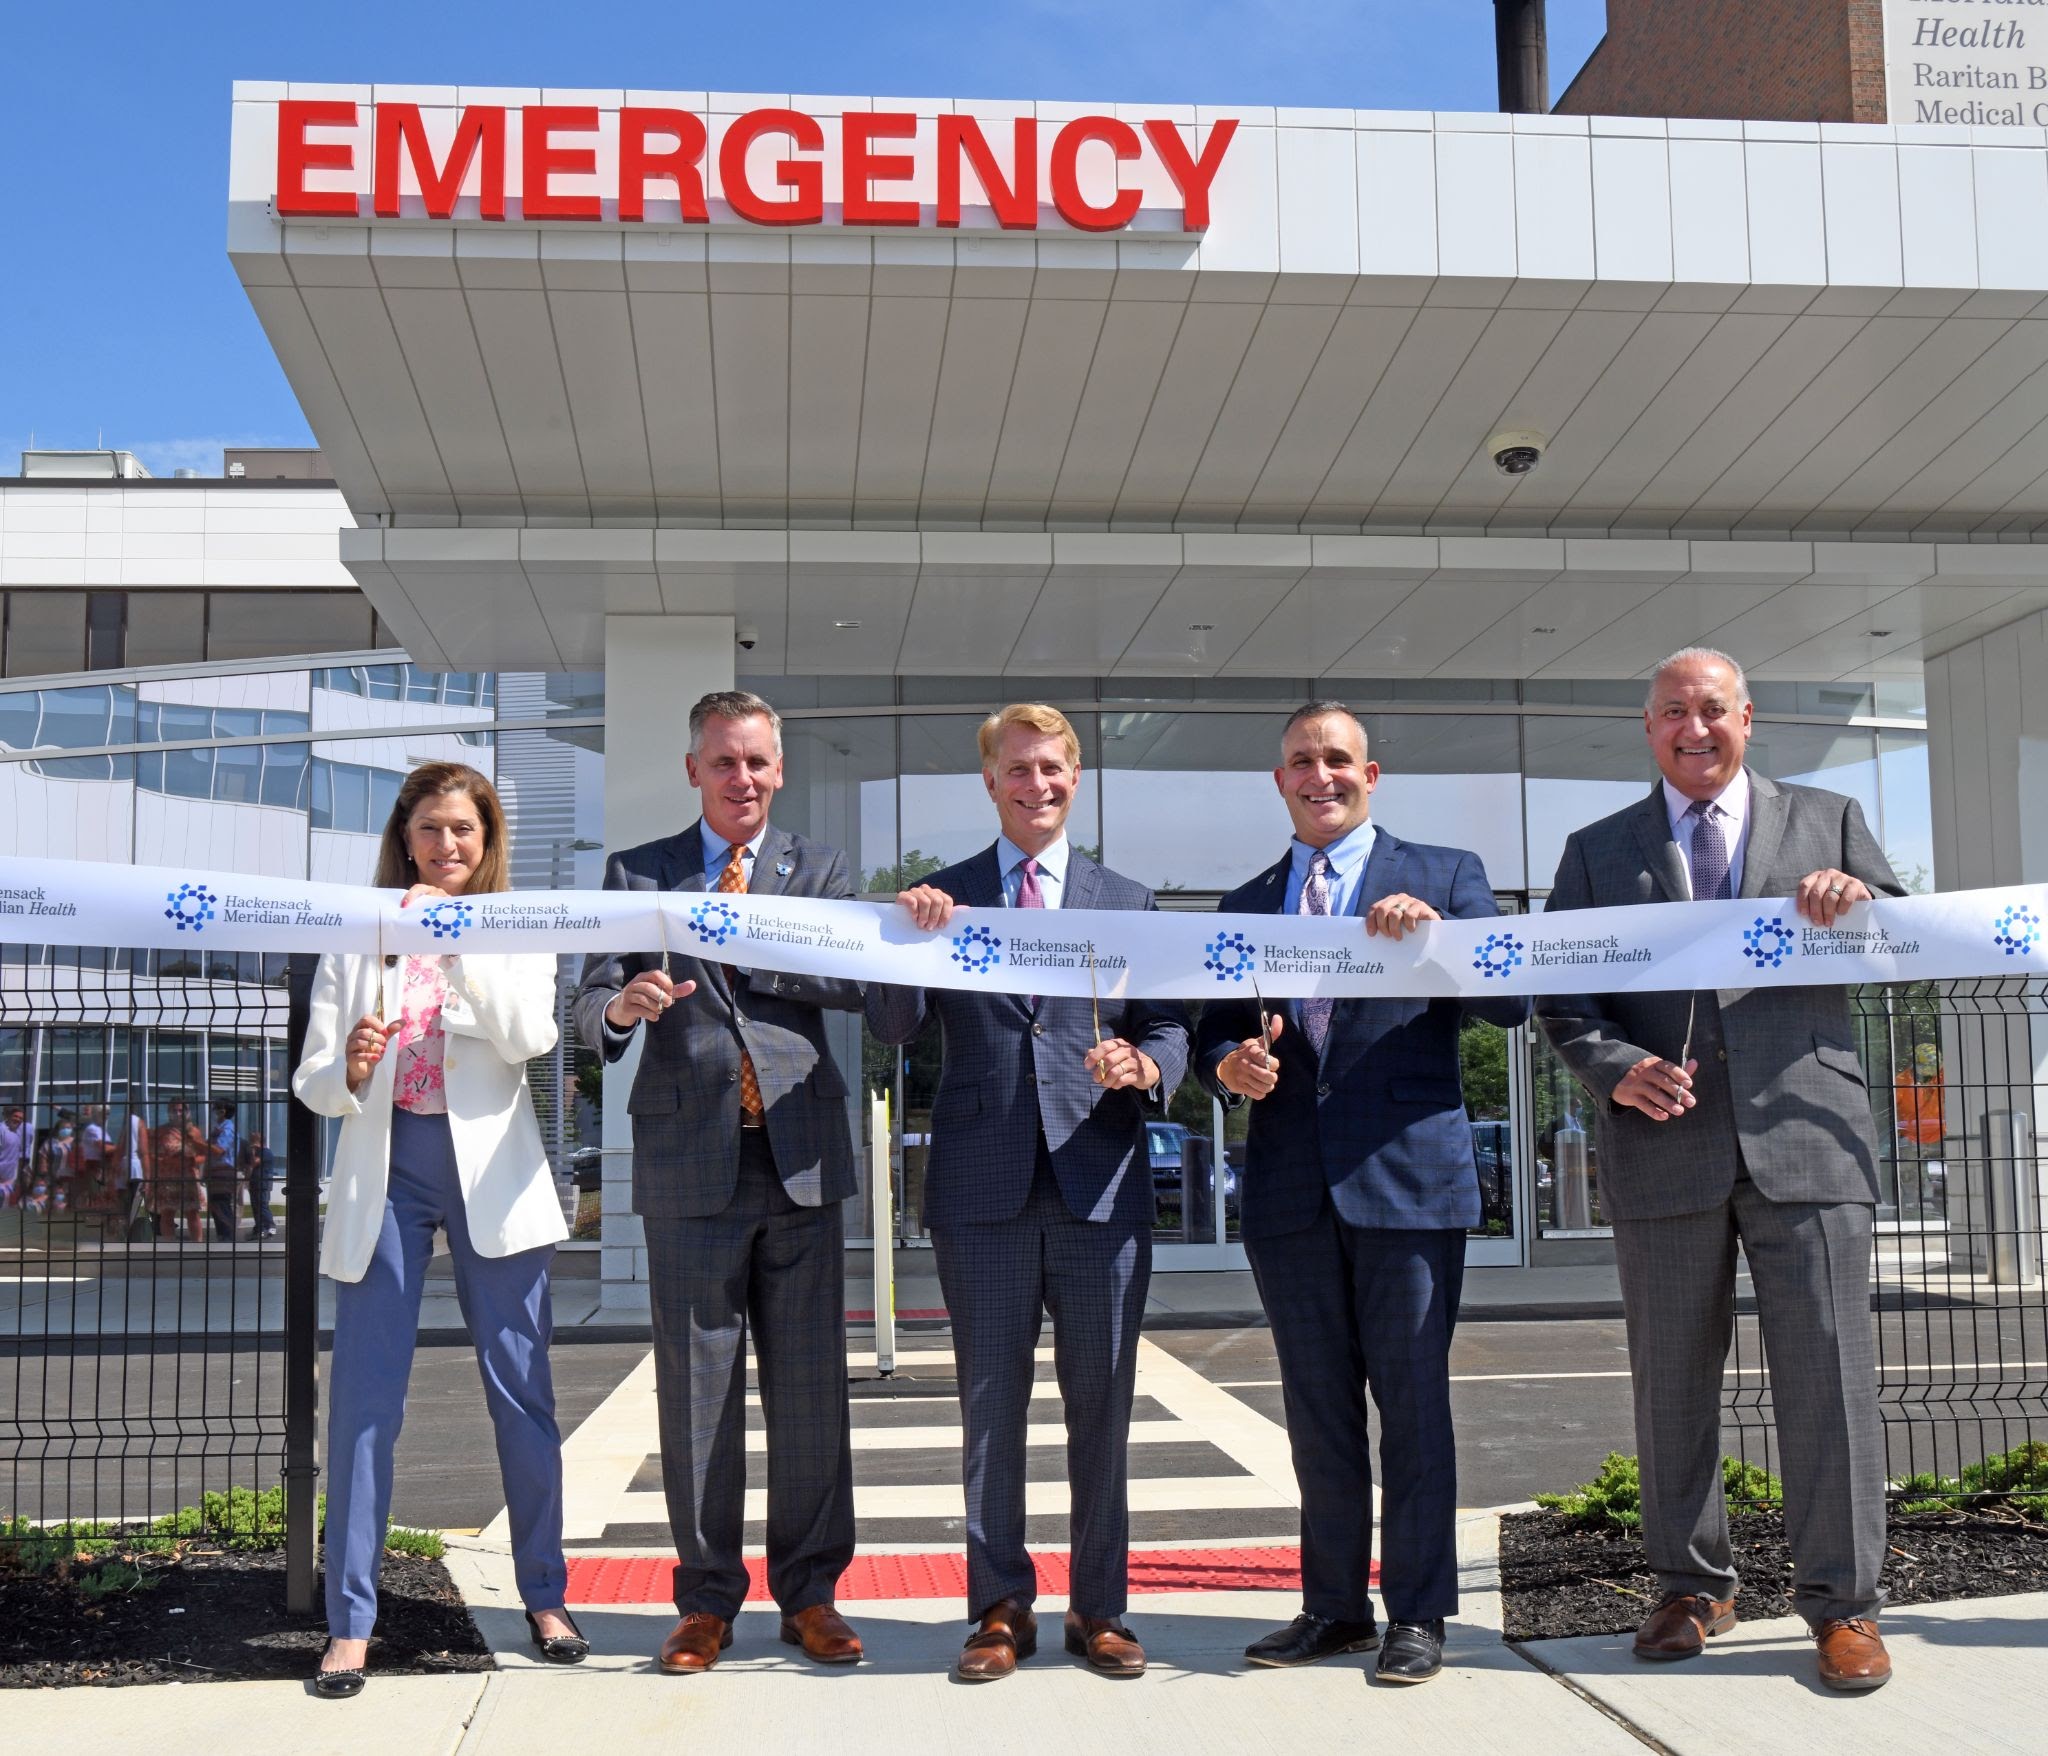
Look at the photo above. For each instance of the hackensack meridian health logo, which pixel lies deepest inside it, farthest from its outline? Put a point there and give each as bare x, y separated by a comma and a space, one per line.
191, 906
2017, 930
976, 950
445, 920
1498, 955
715, 922
1231, 957
1767, 941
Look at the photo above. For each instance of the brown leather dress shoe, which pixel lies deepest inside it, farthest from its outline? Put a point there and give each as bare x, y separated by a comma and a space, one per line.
1679, 1626
1107, 1645
1008, 1635
824, 1635
694, 1643
1852, 1654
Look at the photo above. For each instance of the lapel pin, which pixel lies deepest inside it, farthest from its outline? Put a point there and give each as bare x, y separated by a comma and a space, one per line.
782, 868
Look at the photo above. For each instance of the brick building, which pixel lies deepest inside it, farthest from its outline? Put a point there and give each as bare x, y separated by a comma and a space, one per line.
1760, 60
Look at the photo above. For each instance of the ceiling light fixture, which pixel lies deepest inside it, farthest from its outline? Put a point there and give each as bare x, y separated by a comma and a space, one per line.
853, 624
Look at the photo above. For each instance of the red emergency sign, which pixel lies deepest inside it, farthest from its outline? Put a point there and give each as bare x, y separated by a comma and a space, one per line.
662, 153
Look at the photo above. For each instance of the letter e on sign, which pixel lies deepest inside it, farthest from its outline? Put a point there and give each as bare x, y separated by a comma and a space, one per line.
296, 155
863, 165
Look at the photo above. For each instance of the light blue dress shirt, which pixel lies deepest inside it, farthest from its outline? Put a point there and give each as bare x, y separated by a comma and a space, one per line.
717, 850
1052, 870
1348, 855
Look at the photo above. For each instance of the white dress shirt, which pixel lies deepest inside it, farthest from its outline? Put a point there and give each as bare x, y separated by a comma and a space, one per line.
1052, 870
1733, 800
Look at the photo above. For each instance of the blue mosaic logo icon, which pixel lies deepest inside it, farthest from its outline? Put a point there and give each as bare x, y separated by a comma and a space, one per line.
977, 950
1768, 942
445, 920
715, 922
191, 906
2017, 930
1231, 957
1499, 954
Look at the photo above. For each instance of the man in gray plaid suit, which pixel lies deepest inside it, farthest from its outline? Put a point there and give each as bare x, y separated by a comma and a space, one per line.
741, 1158
1039, 1198
1738, 1115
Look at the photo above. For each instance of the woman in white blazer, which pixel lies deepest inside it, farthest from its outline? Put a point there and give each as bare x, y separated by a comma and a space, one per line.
424, 1059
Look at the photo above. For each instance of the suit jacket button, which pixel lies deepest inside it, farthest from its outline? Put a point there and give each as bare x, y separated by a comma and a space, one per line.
1037, 1029
1322, 1091
1720, 1054
730, 1078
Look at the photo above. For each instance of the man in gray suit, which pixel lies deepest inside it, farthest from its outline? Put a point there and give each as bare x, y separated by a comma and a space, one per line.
1738, 1115
741, 1158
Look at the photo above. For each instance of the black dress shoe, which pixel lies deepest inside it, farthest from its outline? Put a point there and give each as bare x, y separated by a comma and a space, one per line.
1310, 1639
1414, 1652
560, 1649
338, 1685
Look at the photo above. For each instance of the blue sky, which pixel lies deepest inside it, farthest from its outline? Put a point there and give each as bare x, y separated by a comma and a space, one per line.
122, 324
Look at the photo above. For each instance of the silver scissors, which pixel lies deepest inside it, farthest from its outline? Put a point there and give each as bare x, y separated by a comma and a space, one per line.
1265, 1020
1094, 994
661, 926
1692, 1007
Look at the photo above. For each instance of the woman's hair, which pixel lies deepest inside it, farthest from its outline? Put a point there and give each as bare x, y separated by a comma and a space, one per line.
433, 780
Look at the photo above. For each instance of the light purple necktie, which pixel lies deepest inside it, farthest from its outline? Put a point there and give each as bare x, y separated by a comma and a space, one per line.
1709, 852
1315, 900
1029, 896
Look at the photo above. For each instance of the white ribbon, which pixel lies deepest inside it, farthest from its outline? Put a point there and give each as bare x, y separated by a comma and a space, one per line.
1749, 943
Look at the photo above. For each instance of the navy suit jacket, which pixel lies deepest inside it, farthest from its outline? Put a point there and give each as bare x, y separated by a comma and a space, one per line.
1013, 1072
1378, 1119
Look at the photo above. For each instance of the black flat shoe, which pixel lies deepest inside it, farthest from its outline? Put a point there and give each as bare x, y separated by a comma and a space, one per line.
1308, 1640
338, 1685
559, 1649
1414, 1652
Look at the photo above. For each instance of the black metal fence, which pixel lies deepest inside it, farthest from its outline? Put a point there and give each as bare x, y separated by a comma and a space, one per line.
1958, 1077
158, 1323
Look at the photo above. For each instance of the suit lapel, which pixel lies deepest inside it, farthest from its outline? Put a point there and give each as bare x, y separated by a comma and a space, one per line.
1652, 826
777, 851
682, 866
1382, 874
1084, 880
1768, 809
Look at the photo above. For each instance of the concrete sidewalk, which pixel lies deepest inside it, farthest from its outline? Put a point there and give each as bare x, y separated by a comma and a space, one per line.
1971, 1677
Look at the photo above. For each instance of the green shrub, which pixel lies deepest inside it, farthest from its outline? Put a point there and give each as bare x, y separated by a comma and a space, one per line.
114, 1579
426, 1544
2018, 1478
42, 1548
1613, 1500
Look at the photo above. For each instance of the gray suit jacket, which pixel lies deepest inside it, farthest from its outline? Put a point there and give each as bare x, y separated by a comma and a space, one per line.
1779, 1074
685, 1102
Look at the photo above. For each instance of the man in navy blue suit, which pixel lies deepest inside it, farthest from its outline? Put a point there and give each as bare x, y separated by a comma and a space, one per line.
1039, 1198
1359, 1186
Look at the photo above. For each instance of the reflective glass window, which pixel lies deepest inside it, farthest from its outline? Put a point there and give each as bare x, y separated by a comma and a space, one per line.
839, 787
20, 713
75, 719
384, 785
258, 624
1908, 831
189, 773
384, 682
237, 774
351, 808
320, 812
236, 722
278, 720
284, 775
180, 722
106, 630
1578, 771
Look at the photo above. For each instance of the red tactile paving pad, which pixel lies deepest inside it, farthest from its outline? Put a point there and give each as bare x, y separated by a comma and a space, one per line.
646, 1579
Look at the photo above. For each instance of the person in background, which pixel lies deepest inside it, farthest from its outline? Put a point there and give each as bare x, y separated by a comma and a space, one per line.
259, 1165
424, 1060
178, 1175
136, 1160
16, 1150
223, 1193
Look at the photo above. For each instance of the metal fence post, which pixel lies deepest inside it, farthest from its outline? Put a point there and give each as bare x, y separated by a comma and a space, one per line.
301, 1309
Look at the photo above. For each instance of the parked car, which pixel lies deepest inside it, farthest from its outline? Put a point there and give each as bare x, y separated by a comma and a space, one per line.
1493, 1150
1182, 1159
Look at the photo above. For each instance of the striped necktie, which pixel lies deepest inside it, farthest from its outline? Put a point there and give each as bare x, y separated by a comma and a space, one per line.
1315, 900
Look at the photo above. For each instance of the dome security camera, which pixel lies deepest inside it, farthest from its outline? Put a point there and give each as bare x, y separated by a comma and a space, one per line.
1516, 453
747, 635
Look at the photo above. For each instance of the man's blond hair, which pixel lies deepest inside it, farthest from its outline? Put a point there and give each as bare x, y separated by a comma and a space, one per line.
1047, 722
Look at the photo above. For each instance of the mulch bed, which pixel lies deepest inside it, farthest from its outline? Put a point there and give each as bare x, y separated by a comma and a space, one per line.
215, 1616
1559, 1580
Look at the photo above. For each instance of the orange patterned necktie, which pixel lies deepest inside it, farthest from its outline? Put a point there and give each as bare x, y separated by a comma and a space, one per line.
733, 882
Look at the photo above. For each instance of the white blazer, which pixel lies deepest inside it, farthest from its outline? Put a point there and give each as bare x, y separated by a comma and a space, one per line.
499, 1014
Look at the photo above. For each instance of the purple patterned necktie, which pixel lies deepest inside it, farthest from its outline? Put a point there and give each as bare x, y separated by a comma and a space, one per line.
1029, 896
1315, 900
1709, 853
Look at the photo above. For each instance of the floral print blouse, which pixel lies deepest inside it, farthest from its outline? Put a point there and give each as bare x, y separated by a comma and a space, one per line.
420, 1084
